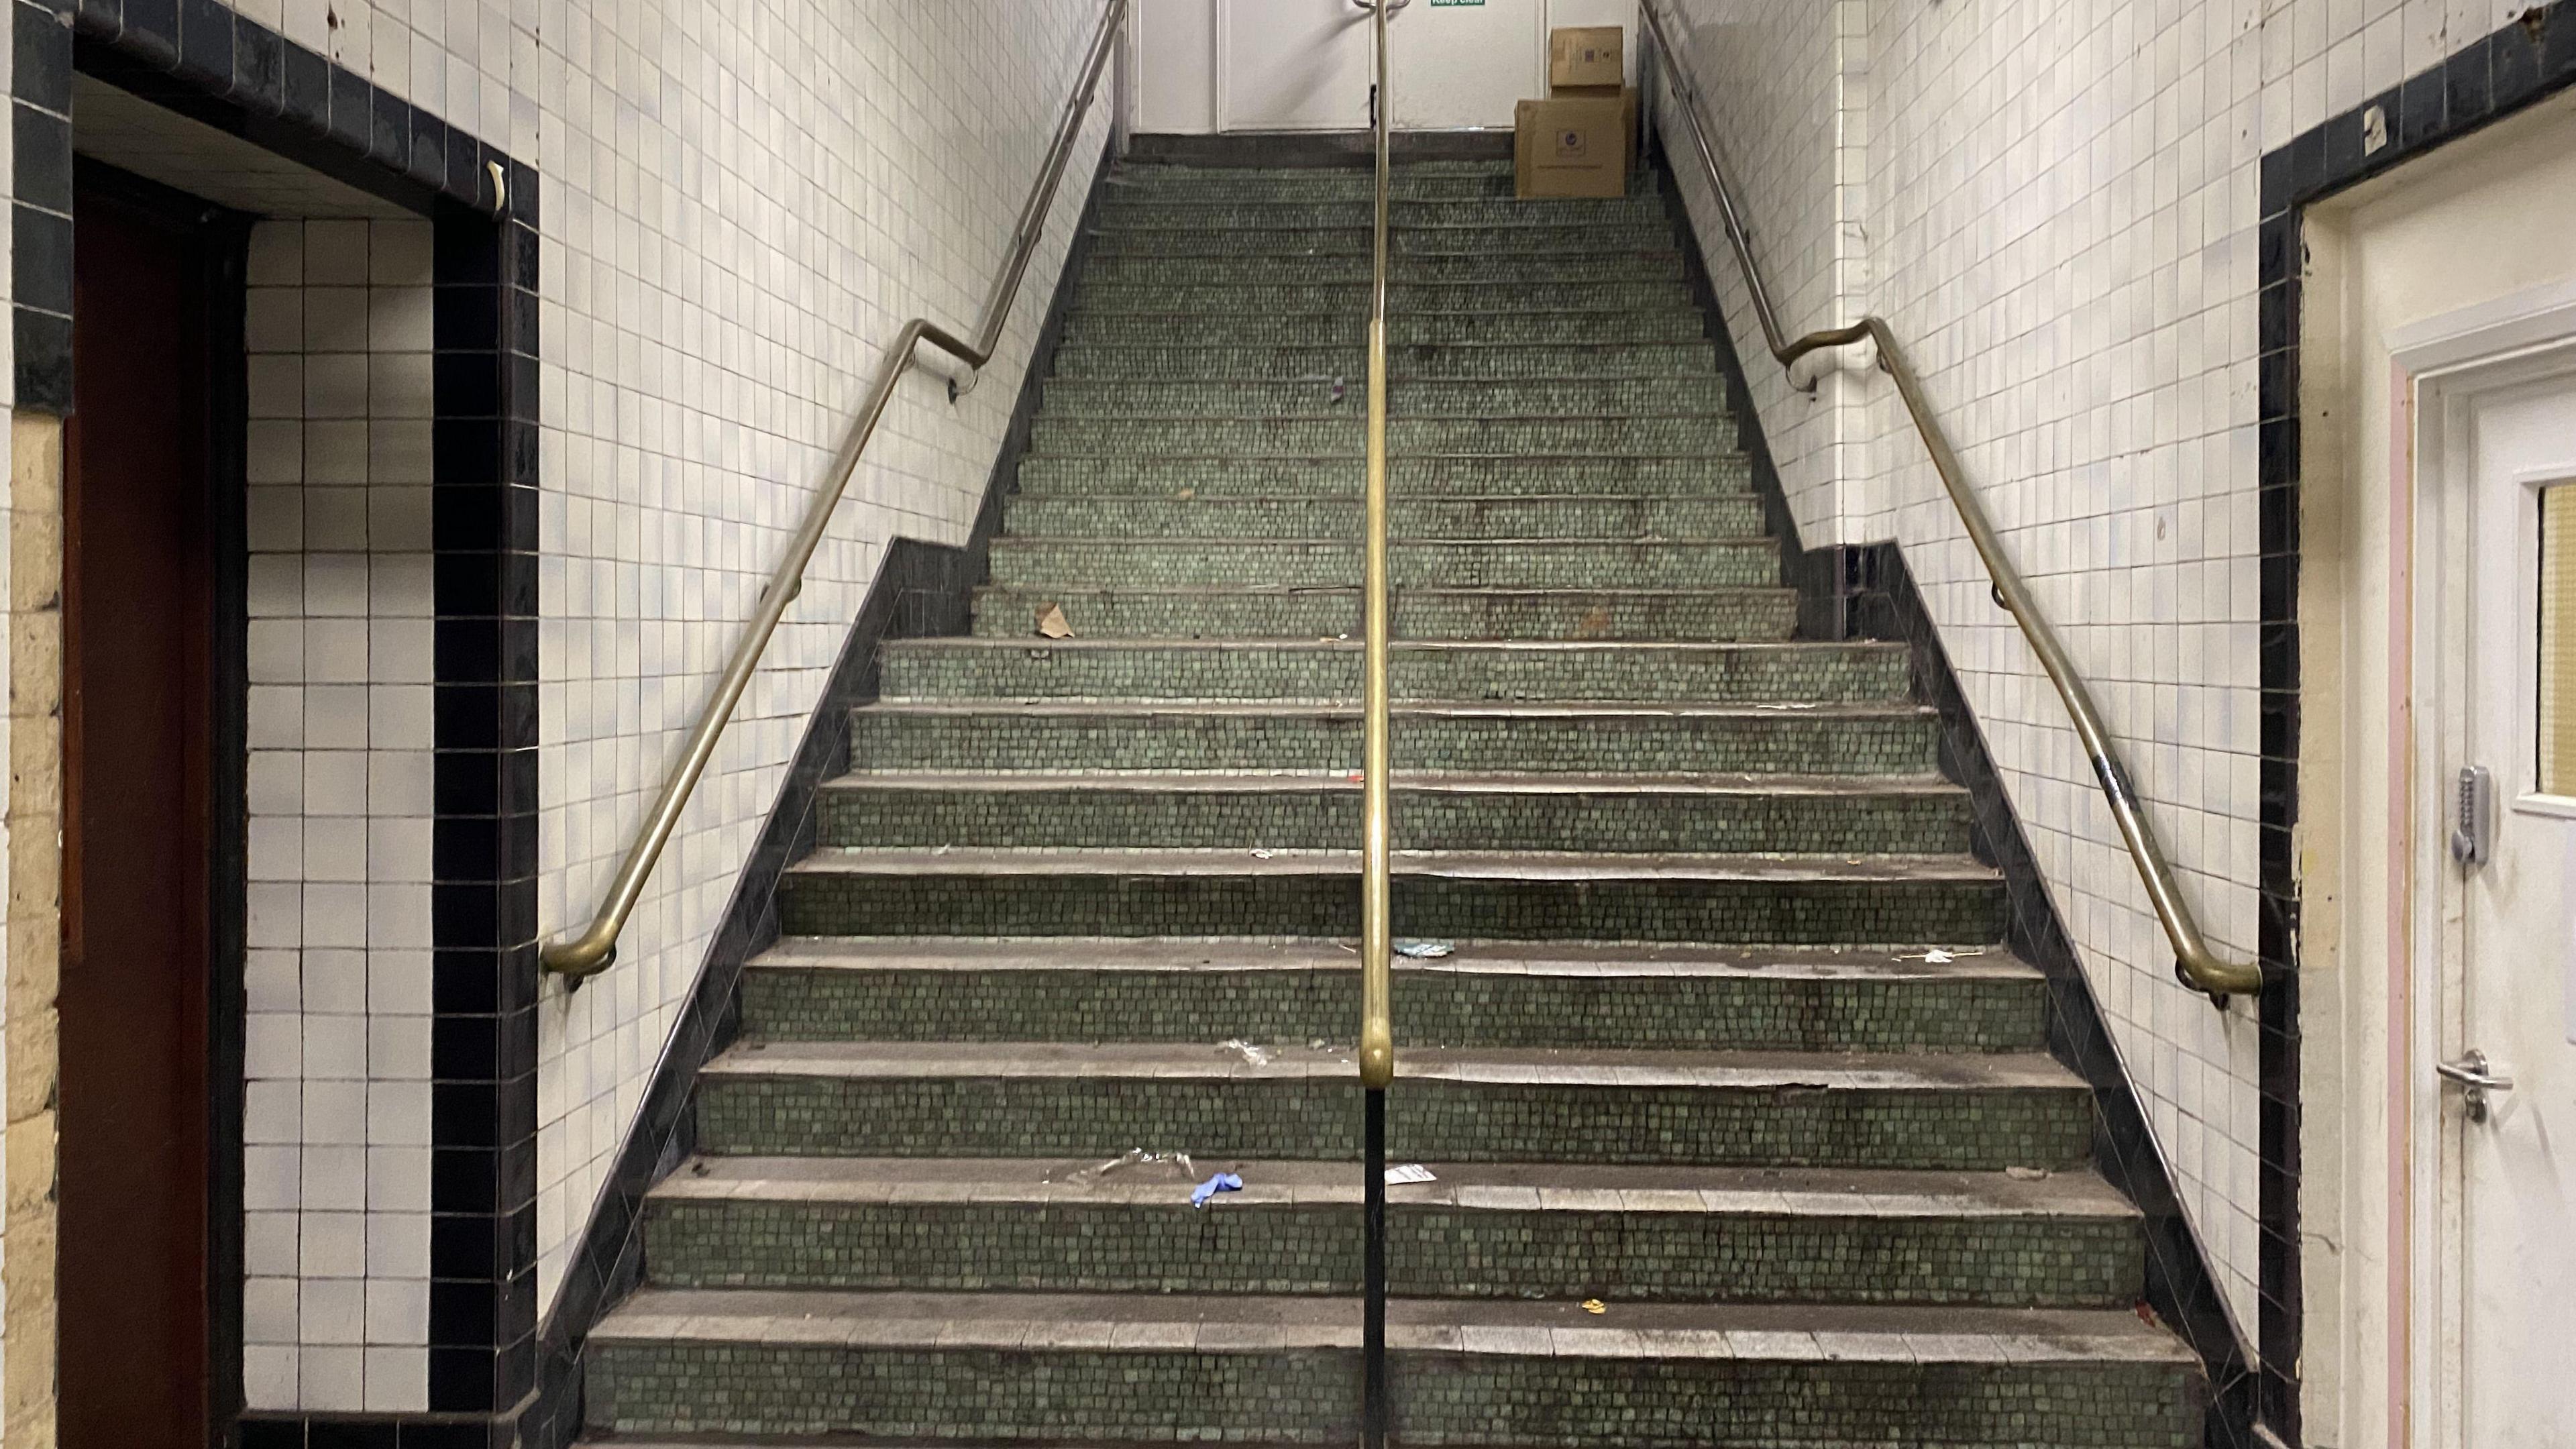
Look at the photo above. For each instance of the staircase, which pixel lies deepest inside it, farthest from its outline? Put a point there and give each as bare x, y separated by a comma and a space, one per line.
1693, 1056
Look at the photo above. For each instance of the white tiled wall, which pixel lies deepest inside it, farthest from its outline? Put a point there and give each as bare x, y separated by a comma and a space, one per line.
740, 206
2057, 204
336, 1108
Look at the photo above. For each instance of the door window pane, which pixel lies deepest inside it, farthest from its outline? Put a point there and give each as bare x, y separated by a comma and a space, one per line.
2558, 640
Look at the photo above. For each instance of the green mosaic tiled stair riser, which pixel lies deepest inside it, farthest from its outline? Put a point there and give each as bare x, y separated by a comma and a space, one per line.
1213, 309
1598, 219
1748, 739
1552, 563
1064, 1245
1165, 315
1209, 897
1092, 998
1307, 1398
1461, 476
1716, 1023
1215, 612
1076, 398
1947, 1127
1413, 181
1557, 516
1404, 364
1554, 670
1293, 814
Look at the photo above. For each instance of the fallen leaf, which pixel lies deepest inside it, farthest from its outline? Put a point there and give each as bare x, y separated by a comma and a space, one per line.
1051, 622
1595, 1305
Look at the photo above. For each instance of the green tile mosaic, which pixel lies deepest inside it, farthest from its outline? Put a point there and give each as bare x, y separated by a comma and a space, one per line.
1333, 435
1159, 316
1148, 903
1518, 564
1298, 1118
1216, 613
1337, 269
1468, 361
1056, 515
1570, 247
1183, 479
1584, 216
1309, 1397
931, 669
1215, 307
1782, 1012
1003, 737
1443, 1251
1603, 820
1316, 397
1410, 182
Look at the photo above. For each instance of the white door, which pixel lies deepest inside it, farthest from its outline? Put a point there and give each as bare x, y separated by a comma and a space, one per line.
1459, 65
2502, 1311
1293, 65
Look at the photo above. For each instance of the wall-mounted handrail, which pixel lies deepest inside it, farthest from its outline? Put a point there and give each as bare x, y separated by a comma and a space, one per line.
595, 949
2195, 963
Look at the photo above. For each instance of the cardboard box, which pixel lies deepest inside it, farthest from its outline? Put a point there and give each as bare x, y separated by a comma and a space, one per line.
1585, 56
1572, 146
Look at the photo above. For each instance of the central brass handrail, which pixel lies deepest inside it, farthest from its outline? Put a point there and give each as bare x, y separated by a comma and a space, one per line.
595, 949
2195, 963
1377, 944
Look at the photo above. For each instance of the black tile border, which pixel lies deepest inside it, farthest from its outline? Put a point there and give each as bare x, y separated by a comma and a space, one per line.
921, 590
199, 58
1867, 592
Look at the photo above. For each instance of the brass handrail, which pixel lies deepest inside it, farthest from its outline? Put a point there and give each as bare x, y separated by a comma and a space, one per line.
1377, 945
595, 949
2195, 963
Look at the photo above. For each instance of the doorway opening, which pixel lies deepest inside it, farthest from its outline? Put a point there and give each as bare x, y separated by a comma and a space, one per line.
153, 830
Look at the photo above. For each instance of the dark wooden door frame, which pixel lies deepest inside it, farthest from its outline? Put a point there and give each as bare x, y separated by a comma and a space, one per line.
221, 237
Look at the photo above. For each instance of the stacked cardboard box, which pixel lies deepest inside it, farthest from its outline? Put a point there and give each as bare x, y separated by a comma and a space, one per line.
1578, 141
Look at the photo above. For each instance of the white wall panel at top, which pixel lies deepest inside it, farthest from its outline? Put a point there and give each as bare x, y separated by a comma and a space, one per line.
1302, 65
1466, 65
1291, 65
1174, 44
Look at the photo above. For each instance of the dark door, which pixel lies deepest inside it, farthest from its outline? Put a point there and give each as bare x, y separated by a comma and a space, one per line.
138, 763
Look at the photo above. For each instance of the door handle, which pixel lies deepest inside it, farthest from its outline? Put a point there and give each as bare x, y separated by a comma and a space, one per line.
2476, 1077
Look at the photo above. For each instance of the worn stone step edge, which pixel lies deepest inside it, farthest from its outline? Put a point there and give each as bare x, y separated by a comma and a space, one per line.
1599, 710
1879, 1193
1589, 868
1595, 1067
1110, 1323
1419, 782
974, 956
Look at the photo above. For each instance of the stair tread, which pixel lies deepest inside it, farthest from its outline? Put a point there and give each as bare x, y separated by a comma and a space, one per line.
1475, 709
1879, 868
1669, 540
1076, 591
1514, 1066
1247, 1323
1891, 1193
1418, 781
1525, 958
987, 644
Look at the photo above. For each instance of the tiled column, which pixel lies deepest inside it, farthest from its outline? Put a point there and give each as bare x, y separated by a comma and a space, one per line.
337, 1107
